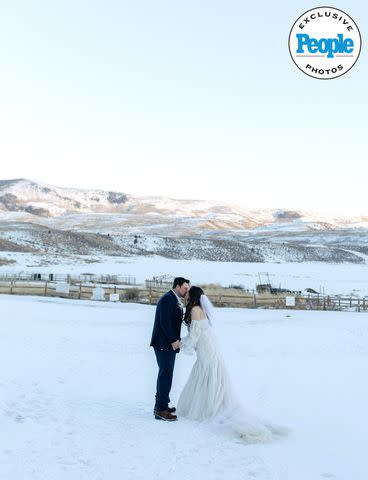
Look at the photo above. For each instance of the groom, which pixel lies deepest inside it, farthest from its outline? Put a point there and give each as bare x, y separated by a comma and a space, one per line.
166, 342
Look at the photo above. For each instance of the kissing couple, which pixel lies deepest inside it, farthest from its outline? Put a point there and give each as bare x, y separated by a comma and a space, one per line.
207, 394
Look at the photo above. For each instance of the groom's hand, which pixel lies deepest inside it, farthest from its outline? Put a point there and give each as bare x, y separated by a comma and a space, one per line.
175, 345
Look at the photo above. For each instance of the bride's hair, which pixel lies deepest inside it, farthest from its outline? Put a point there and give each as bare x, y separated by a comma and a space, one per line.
194, 300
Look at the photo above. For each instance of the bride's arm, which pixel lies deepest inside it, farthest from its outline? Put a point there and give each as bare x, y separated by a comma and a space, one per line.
188, 343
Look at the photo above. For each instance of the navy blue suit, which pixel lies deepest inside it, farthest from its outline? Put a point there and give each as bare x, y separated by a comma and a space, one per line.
166, 330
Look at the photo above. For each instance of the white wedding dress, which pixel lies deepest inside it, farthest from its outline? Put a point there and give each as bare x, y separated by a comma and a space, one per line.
208, 394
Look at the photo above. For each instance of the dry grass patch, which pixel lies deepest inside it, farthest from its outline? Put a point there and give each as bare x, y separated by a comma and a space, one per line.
7, 261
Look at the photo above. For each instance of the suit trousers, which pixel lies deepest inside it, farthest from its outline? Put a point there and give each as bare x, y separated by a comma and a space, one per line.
165, 362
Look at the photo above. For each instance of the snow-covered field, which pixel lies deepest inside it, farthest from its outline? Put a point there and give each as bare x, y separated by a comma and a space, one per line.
348, 279
77, 385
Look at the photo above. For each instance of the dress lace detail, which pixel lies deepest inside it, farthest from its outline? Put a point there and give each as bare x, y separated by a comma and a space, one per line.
188, 344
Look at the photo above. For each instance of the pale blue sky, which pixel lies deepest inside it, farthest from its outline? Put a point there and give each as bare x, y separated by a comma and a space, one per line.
195, 99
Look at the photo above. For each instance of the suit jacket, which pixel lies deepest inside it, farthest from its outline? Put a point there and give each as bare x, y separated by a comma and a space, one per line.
168, 320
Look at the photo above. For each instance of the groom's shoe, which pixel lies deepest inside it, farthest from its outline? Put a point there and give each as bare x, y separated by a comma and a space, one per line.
169, 409
165, 415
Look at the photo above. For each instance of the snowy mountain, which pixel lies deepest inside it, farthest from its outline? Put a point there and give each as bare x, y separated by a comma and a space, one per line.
37, 218
23, 200
21, 195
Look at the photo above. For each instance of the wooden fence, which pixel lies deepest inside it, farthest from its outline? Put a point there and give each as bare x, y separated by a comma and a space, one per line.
151, 295
67, 277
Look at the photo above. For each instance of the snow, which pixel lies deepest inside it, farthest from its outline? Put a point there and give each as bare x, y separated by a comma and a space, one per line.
78, 378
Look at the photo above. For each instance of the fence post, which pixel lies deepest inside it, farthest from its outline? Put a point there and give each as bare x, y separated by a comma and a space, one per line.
254, 300
45, 291
350, 302
80, 291
310, 303
363, 303
328, 300
11, 287
150, 295
358, 304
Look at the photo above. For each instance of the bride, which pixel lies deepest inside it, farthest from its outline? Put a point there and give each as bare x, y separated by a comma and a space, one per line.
207, 394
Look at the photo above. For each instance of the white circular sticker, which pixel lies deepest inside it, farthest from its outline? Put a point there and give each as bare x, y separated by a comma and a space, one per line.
325, 43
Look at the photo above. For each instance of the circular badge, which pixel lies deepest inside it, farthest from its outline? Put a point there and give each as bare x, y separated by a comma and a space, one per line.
325, 43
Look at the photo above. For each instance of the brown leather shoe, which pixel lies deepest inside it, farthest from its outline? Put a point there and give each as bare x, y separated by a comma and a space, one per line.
165, 415
169, 409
